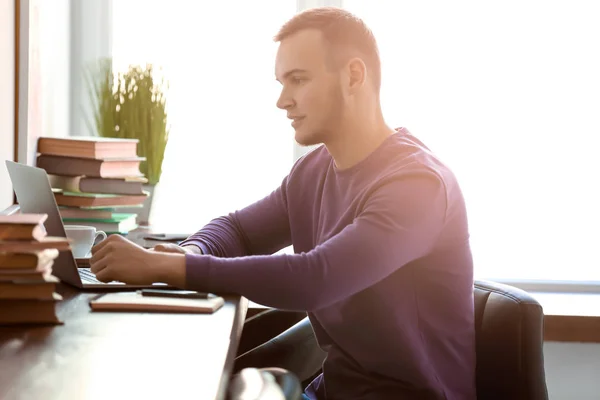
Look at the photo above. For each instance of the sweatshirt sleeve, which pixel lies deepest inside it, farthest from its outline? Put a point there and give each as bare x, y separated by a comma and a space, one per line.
399, 223
261, 228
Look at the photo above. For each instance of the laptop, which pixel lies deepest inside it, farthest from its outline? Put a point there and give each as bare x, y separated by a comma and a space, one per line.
34, 195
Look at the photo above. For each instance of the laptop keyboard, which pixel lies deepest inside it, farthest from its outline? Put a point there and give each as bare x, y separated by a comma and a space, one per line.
87, 275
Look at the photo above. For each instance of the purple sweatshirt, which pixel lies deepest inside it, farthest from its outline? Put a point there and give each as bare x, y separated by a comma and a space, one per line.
381, 263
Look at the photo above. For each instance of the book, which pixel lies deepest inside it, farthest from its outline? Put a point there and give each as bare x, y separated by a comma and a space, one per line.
97, 199
22, 226
48, 242
22, 232
78, 184
35, 260
134, 301
25, 219
23, 312
28, 288
87, 213
9, 275
98, 168
119, 223
88, 147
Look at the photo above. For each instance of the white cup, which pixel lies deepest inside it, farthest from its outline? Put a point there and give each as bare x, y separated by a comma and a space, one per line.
83, 239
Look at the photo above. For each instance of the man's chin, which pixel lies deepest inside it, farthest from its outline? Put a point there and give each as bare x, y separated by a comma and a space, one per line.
304, 138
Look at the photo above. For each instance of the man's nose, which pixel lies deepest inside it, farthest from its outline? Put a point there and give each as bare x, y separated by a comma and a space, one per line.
285, 101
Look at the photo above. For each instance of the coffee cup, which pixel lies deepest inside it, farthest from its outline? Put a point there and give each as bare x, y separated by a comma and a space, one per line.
83, 239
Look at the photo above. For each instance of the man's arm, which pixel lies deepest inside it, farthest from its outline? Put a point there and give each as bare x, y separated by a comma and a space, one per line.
261, 228
399, 224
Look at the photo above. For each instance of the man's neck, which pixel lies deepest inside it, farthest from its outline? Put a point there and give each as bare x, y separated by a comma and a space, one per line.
357, 141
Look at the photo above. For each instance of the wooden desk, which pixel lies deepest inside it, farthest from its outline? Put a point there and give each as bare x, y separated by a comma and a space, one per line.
102, 355
570, 317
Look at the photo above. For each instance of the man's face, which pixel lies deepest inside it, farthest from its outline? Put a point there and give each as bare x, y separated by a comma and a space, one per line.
311, 92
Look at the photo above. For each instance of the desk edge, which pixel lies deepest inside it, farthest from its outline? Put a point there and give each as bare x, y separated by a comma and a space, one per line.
234, 340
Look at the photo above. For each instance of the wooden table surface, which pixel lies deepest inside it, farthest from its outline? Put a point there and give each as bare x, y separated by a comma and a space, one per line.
110, 355
570, 317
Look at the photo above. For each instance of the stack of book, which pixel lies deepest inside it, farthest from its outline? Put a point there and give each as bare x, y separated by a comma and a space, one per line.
93, 178
27, 286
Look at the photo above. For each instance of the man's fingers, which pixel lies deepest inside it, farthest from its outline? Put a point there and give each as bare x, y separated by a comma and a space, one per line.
99, 264
104, 275
101, 253
106, 242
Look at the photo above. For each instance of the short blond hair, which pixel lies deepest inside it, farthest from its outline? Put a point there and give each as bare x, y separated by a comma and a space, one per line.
346, 35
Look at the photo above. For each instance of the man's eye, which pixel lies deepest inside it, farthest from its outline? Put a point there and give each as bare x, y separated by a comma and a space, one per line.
298, 81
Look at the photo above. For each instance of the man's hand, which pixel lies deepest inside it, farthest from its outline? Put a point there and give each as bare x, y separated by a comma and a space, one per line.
173, 248
118, 259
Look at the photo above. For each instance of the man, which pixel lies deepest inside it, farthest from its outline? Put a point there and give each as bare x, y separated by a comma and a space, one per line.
381, 261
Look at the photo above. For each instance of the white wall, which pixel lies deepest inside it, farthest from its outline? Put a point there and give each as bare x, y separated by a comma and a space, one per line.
572, 370
45, 109
64, 36
91, 40
7, 104
55, 47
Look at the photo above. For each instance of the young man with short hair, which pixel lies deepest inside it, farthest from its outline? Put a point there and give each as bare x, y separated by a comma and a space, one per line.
381, 263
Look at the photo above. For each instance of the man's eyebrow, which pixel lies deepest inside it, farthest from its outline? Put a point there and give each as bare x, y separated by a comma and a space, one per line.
291, 72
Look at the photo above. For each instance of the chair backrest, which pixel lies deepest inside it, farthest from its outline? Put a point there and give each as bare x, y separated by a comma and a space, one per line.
509, 341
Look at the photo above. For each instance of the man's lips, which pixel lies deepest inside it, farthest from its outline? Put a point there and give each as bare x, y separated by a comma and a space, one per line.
296, 120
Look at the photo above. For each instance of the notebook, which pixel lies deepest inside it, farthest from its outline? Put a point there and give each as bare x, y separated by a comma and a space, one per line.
134, 301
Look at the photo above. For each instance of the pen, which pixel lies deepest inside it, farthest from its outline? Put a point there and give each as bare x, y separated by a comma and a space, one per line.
181, 294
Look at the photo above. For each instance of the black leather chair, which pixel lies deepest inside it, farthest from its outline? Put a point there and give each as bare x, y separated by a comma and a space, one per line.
265, 384
509, 341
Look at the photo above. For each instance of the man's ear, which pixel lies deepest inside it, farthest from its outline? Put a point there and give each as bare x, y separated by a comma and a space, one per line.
357, 74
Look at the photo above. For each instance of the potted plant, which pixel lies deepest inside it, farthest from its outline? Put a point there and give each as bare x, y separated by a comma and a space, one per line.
132, 105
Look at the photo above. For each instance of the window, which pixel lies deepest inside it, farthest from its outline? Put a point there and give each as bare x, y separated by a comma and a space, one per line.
508, 95
229, 145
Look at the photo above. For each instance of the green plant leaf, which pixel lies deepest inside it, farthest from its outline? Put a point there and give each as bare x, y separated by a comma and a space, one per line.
131, 104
